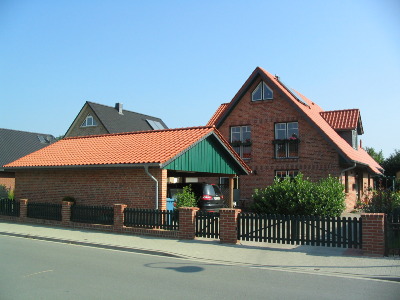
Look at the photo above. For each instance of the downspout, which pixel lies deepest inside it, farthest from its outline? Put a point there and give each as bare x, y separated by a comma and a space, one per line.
146, 169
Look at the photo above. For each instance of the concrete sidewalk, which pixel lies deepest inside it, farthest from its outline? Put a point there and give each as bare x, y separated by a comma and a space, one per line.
308, 259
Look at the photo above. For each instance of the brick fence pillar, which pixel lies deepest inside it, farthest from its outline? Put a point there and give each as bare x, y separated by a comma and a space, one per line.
373, 234
228, 225
66, 212
119, 216
187, 222
23, 208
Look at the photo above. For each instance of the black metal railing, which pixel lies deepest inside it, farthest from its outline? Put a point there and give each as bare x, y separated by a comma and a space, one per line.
46, 211
207, 224
151, 218
301, 230
9, 207
92, 214
393, 234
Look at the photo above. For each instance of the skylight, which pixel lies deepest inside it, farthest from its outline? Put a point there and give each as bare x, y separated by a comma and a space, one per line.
155, 124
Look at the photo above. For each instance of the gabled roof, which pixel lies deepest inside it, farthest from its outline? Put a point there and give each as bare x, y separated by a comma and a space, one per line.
347, 119
156, 147
309, 109
15, 144
217, 114
114, 122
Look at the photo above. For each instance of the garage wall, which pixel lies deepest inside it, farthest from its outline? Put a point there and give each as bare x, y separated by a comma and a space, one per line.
132, 187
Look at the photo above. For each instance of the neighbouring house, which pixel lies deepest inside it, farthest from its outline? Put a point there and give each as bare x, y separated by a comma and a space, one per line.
278, 132
130, 168
95, 119
15, 144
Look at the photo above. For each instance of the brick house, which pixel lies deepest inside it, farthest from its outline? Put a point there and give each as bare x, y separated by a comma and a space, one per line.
279, 132
15, 144
95, 119
131, 168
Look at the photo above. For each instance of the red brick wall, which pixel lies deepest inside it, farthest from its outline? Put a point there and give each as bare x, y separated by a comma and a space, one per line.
317, 158
132, 187
7, 179
373, 234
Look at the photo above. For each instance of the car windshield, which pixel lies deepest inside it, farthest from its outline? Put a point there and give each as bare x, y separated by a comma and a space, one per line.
212, 190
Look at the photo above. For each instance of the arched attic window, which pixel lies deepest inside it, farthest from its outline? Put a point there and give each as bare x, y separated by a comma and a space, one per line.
89, 121
262, 92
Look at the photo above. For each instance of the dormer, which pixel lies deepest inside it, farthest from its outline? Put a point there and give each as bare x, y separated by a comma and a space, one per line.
347, 123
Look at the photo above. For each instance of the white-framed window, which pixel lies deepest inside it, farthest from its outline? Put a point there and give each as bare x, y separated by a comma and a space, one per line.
89, 121
286, 140
282, 174
241, 140
262, 92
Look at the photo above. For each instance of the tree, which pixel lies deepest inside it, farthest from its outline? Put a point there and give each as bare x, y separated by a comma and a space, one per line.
378, 156
392, 163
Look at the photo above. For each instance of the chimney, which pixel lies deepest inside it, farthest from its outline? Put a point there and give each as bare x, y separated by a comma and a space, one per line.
118, 106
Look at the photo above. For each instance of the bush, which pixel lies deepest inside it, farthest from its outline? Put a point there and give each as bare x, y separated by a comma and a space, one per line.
6, 192
298, 196
381, 201
186, 198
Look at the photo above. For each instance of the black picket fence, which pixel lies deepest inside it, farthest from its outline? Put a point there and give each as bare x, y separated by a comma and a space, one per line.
46, 211
151, 218
300, 230
207, 224
9, 207
393, 233
92, 214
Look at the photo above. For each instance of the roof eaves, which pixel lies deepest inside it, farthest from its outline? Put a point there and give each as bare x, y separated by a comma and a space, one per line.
96, 166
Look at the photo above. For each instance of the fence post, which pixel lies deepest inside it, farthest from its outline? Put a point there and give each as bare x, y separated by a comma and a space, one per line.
23, 208
228, 230
373, 234
187, 222
66, 212
119, 216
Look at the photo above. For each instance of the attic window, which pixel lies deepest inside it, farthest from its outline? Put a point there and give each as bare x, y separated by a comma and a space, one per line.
89, 121
262, 92
155, 124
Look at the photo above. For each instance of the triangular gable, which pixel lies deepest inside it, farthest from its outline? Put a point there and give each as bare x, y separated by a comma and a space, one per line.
309, 109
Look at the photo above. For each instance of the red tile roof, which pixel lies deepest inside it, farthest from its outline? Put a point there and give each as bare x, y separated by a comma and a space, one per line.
145, 147
343, 119
215, 118
314, 114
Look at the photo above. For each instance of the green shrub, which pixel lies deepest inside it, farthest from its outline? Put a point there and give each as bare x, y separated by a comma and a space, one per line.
380, 201
186, 198
298, 196
6, 192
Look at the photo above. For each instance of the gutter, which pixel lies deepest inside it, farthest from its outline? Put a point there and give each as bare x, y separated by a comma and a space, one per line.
345, 170
146, 169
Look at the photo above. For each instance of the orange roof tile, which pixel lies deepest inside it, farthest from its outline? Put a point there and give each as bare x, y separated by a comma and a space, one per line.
342, 119
313, 112
215, 118
146, 147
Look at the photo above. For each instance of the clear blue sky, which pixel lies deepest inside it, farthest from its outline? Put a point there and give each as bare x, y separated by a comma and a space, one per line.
178, 60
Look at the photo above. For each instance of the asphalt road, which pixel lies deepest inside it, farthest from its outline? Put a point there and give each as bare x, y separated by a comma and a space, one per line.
33, 269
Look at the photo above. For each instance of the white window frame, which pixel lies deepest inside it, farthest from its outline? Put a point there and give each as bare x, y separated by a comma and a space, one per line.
87, 123
242, 130
264, 87
288, 173
286, 139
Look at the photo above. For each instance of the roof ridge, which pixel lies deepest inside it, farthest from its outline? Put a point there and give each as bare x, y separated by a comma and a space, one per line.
27, 131
138, 132
338, 110
125, 110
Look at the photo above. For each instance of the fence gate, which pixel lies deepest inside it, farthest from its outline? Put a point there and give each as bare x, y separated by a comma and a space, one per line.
393, 234
300, 230
207, 224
